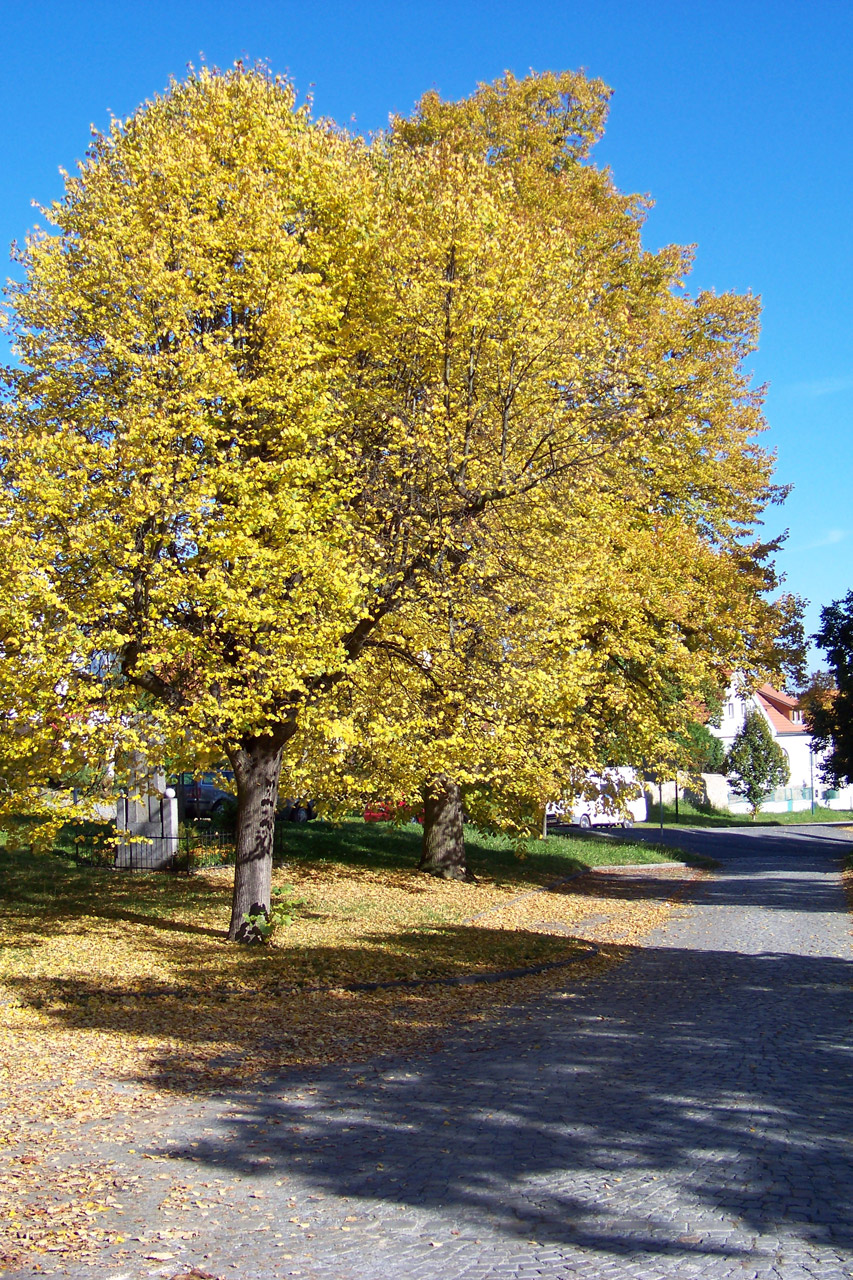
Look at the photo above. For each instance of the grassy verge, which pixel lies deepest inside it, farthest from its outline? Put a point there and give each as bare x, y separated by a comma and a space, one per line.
128, 975
137, 962
690, 816
495, 858
363, 913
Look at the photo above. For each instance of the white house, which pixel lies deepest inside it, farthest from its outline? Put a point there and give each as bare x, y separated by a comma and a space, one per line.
785, 720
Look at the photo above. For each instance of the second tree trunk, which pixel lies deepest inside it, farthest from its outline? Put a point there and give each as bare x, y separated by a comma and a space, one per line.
443, 850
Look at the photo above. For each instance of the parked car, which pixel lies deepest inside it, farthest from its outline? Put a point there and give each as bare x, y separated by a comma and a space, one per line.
617, 801
380, 812
200, 797
297, 810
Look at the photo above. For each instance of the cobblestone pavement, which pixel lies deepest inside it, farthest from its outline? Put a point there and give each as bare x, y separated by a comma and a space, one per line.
689, 1114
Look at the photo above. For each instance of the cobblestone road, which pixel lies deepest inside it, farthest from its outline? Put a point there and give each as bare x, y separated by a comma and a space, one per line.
689, 1114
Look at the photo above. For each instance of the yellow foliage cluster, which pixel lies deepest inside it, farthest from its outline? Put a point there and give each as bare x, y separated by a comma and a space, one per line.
404, 456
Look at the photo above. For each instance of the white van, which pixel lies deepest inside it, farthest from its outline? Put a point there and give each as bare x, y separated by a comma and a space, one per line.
618, 801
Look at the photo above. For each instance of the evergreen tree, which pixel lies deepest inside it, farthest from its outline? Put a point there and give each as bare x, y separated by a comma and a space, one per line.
828, 702
755, 764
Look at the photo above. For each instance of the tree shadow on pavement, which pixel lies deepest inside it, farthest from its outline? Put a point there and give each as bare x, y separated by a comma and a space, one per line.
714, 1078
735, 885
243, 1011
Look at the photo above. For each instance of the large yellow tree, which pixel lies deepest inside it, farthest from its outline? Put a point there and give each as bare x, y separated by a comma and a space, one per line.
532, 672
543, 369
283, 398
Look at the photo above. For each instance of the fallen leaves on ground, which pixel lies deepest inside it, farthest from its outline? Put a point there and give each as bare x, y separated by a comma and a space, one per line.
37, 1221
120, 993
138, 985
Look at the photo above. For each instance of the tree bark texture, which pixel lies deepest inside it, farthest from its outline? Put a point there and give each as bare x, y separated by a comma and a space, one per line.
257, 766
443, 848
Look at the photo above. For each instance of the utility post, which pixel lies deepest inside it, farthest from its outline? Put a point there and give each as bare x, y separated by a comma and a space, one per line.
660, 803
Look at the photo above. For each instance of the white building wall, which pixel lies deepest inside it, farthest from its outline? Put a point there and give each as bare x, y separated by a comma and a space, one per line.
797, 747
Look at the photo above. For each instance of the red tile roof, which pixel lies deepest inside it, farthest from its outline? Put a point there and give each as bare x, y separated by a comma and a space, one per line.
767, 696
776, 695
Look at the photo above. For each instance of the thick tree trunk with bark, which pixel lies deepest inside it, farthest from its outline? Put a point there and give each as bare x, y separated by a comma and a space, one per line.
443, 849
257, 766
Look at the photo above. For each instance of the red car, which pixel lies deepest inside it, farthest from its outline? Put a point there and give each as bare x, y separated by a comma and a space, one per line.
381, 812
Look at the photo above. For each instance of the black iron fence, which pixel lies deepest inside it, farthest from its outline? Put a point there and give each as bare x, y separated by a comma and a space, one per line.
194, 847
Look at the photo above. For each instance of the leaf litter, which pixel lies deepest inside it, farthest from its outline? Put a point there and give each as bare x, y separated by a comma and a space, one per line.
121, 995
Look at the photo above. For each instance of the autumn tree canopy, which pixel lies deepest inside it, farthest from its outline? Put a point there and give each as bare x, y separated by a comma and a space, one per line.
300, 421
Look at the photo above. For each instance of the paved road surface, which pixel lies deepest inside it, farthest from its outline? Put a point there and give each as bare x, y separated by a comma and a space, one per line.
688, 1115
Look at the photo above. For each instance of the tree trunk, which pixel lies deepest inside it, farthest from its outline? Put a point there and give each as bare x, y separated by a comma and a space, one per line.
257, 766
443, 849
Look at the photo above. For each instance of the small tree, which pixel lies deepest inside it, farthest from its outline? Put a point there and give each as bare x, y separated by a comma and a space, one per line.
755, 764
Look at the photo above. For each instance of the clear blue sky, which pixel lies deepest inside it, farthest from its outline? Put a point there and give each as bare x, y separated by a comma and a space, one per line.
736, 117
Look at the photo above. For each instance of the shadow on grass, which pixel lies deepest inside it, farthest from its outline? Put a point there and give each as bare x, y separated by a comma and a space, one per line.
386, 845
444, 951
54, 887
122, 916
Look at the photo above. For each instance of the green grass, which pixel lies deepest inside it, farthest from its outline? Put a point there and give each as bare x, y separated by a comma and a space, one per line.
690, 816
390, 933
45, 884
40, 879
382, 844
84, 943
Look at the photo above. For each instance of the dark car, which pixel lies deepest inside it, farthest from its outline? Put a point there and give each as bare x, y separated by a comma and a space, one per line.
200, 797
297, 810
